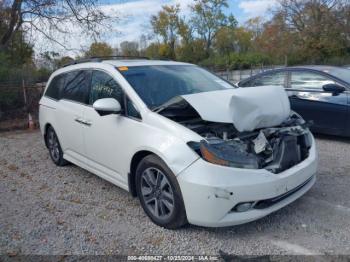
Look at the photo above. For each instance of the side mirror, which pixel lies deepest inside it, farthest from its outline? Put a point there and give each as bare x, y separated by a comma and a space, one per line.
106, 106
333, 88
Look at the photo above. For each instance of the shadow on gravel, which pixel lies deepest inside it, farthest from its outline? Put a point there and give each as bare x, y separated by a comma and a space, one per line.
332, 138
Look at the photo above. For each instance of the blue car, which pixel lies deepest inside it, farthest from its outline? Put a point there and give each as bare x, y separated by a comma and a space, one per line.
317, 93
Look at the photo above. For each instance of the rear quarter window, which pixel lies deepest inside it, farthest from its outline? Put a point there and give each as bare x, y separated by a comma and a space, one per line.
77, 86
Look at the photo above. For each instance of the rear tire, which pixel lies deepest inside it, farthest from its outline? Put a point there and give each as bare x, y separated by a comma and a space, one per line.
159, 193
54, 147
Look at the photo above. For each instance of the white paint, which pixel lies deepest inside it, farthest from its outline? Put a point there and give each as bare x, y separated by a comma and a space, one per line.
247, 108
106, 148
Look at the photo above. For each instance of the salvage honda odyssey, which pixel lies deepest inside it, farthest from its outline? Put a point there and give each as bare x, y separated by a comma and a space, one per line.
192, 147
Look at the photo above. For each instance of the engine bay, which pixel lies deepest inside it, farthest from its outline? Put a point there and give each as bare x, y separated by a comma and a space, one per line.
272, 147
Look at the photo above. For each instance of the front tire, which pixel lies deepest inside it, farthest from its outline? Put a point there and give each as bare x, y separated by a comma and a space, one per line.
54, 147
159, 193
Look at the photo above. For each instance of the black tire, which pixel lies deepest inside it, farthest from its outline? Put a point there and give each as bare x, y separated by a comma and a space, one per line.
54, 147
176, 216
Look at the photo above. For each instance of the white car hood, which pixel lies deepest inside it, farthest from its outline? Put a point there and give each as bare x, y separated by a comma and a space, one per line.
247, 108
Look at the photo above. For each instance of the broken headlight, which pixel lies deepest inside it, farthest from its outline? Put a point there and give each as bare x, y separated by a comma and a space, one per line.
232, 153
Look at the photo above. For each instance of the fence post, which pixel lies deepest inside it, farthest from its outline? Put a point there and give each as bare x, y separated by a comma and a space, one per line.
30, 118
24, 94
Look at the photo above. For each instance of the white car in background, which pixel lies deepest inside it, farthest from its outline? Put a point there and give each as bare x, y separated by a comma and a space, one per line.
191, 146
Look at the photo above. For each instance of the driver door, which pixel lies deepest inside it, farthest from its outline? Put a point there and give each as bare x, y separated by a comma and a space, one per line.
107, 137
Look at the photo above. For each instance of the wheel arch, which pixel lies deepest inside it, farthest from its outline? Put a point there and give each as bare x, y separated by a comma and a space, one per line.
46, 127
136, 159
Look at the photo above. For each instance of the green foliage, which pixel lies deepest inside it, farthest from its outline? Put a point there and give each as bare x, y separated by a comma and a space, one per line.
192, 52
167, 24
299, 32
152, 51
208, 17
16, 56
236, 60
99, 49
63, 61
42, 74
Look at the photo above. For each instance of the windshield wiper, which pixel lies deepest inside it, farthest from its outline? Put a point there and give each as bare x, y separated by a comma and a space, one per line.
171, 102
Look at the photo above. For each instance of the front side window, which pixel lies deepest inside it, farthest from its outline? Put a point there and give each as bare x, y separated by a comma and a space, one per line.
77, 86
157, 84
104, 86
308, 80
55, 87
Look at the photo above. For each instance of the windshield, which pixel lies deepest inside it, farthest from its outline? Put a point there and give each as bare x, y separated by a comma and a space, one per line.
158, 84
341, 73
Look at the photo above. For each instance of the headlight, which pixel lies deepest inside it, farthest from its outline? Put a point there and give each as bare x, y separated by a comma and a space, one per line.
226, 153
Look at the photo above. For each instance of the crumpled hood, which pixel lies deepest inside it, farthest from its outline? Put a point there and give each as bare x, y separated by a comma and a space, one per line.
247, 108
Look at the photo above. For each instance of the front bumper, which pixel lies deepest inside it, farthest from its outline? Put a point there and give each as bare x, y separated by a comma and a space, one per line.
211, 191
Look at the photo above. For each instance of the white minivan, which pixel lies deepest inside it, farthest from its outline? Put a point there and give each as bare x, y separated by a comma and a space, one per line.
191, 146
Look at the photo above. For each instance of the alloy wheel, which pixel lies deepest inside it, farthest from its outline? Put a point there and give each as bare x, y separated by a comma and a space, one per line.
157, 193
53, 146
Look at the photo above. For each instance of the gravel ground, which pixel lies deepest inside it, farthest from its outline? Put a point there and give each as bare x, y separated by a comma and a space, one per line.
45, 209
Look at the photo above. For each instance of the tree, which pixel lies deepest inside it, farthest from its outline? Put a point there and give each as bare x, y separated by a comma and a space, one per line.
225, 40
99, 49
193, 51
208, 18
276, 40
64, 61
255, 26
320, 26
152, 51
48, 17
243, 39
129, 48
166, 24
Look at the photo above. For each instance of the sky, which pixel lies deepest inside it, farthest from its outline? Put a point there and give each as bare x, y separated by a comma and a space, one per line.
134, 20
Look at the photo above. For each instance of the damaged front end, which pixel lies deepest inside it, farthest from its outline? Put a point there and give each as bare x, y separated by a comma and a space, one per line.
275, 149
269, 146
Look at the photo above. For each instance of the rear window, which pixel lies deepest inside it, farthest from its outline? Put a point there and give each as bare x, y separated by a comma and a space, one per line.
55, 87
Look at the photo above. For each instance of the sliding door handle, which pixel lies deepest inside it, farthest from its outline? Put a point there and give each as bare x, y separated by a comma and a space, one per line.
88, 123
79, 120
82, 121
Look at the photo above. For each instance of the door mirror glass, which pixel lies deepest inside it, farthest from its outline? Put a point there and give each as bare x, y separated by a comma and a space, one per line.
333, 88
106, 106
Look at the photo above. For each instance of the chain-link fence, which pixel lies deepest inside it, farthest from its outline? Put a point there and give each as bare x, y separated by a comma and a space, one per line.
19, 103
235, 76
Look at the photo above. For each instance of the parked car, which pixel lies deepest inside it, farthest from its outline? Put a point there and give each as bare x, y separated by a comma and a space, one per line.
191, 146
317, 93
